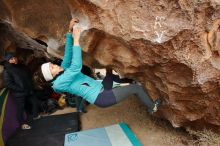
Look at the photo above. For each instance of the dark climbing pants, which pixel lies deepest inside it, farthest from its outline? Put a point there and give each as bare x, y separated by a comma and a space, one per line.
20, 103
33, 106
109, 97
30, 104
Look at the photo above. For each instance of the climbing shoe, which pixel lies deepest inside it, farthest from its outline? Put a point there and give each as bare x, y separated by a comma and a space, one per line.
157, 103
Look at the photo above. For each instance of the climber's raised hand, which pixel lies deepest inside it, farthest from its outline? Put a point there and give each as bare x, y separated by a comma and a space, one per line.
73, 21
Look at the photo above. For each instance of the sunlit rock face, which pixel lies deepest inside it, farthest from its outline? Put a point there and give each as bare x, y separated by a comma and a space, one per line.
171, 47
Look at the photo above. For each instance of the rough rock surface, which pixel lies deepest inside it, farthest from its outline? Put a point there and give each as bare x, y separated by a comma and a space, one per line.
171, 47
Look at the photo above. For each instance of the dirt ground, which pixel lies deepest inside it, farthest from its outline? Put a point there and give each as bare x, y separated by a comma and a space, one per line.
150, 131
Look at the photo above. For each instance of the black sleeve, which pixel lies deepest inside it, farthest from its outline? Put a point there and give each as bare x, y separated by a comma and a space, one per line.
117, 79
9, 82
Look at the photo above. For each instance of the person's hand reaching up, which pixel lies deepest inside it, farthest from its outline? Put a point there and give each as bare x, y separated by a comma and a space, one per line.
76, 34
72, 23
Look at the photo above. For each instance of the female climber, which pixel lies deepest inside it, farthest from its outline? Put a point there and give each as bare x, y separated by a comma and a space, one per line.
68, 78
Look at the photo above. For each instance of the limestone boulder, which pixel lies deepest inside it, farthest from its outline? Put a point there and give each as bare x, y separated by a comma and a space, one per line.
171, 47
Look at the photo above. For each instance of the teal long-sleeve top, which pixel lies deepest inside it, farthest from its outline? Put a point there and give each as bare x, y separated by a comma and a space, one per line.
72, 80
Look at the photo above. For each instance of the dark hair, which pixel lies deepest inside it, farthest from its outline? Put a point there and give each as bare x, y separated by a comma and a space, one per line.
39, 81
